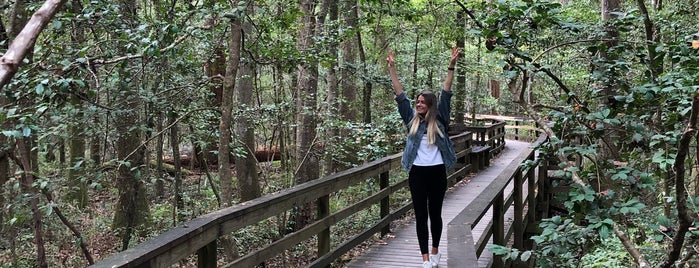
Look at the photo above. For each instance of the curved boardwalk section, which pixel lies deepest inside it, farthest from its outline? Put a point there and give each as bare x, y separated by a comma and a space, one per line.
401, 249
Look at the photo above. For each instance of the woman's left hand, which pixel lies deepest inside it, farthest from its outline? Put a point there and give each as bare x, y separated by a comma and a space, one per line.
454, 55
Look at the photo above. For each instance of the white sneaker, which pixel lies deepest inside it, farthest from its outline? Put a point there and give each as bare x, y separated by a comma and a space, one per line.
427, 264
434, 259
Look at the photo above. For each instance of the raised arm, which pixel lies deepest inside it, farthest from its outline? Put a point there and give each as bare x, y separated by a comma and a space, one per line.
450, 70
397, 86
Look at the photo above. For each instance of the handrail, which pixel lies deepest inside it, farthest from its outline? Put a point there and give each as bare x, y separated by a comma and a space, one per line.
201, 234
516, 128
490, 132
463, 249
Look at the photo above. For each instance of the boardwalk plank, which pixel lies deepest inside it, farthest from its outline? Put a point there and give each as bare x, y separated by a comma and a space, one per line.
401, 250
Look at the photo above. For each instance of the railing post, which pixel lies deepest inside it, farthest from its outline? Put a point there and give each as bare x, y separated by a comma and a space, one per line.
206, 256
542, 193
498, 226
531, 193
385, 205
324, 235
519, 210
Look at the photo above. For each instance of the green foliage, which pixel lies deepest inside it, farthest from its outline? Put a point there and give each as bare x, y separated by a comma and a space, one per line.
614, 98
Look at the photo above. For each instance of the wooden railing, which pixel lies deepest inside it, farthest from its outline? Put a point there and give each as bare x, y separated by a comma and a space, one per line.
200, 235
490, 133
516, 128
528, 187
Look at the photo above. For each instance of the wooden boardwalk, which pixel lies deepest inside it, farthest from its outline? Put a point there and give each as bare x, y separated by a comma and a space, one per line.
401, 248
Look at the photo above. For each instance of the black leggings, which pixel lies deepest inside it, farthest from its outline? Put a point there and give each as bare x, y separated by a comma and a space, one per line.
427, 188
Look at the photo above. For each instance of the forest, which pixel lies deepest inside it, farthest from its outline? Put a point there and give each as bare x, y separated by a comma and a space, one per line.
122, 119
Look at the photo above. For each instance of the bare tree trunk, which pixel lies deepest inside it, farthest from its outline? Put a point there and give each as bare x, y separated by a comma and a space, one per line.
246, 166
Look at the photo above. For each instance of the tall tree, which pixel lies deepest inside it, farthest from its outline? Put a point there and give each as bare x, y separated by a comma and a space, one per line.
348, 82
329, 28
609, 11
132, 209
246, 164
77, 185
307, 155
224, 150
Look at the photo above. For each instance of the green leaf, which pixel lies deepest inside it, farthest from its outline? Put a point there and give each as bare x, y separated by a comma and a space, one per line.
26, 131
39, 89
525, 255
499, 250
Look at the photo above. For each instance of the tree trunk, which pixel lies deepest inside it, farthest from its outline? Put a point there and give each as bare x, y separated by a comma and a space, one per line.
608, 148
29, 163
307, 89
246, 165
459, 88
348, 83
77, 185
330, 7
159, 147
215, 69
132, 206
224, 151
655, 60
368, 85
95, 154
177, 174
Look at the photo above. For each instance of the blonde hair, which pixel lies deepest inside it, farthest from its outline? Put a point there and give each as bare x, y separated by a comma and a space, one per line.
430, 117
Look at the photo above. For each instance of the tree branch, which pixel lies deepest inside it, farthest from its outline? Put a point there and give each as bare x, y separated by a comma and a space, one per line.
82, 241
631, 248
49, 197
470, 14
25, 40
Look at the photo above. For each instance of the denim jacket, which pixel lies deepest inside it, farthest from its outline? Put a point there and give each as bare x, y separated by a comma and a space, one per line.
446, 148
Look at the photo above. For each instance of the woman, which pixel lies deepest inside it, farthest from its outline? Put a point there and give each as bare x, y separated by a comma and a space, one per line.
427, 156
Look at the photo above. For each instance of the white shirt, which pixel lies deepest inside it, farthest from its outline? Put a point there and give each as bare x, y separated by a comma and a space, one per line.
428, 154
